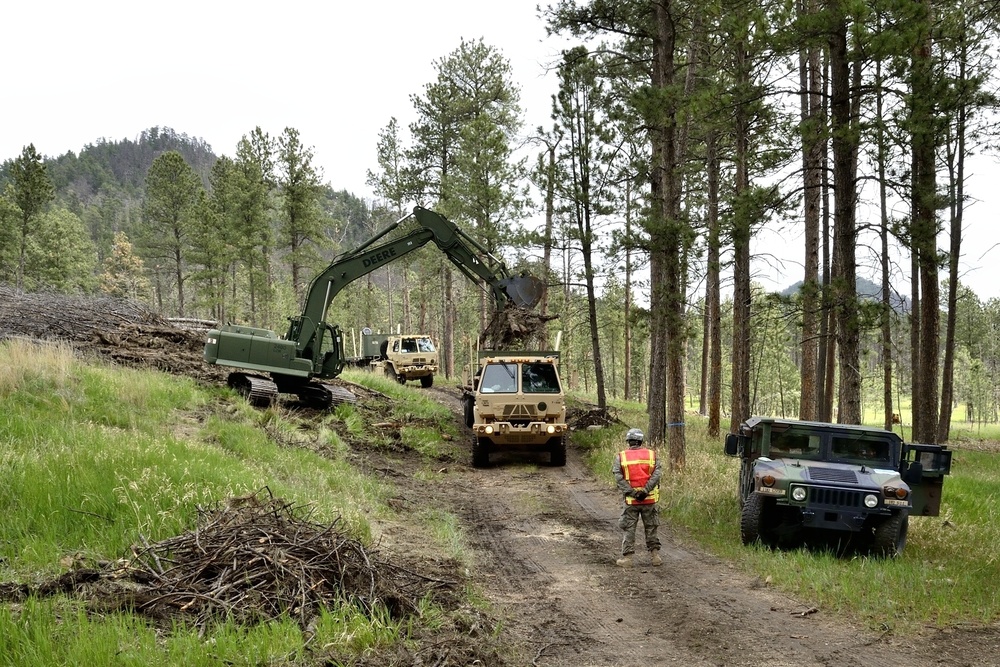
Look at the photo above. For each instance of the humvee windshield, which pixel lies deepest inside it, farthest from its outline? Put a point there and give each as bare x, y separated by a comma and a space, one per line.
539, 379
793, 444
861, 450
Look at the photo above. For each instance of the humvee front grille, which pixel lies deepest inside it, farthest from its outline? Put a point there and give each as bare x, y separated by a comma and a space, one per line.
828, 497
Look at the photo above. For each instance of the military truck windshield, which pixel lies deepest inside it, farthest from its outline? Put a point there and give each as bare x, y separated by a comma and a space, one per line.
539, 379
792, 444
859, 449
425, 345
499, 378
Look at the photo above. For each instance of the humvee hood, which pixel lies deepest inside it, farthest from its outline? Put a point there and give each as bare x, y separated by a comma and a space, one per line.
828, 472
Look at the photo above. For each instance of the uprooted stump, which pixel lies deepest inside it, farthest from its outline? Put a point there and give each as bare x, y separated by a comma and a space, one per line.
513, 327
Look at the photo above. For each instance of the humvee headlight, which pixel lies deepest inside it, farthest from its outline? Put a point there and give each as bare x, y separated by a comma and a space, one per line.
550, 429
767, 480
895, 492
489, 430
871, 501
799, 493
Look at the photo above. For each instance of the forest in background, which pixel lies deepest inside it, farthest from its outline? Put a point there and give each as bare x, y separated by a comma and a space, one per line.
672, 143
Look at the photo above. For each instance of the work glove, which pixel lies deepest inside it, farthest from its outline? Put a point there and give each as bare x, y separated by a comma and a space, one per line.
640, 494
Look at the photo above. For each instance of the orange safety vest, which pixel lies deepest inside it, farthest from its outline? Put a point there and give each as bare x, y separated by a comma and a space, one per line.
637, 467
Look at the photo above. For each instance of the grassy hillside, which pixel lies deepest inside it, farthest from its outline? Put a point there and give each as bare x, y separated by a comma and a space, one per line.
98, 463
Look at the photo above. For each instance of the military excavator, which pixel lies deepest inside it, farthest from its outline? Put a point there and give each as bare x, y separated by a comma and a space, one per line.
313, 349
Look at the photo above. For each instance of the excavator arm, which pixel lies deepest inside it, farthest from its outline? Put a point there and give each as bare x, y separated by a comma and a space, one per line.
314, 348
474, 261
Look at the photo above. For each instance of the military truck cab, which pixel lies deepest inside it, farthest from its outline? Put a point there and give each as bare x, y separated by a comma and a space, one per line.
798, 478
516, 402
409, 357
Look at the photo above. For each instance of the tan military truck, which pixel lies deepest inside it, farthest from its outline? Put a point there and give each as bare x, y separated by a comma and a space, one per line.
409, 357
516, 402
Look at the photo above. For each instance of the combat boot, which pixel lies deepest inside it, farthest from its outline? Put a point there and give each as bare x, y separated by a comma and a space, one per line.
654, 557
624, 561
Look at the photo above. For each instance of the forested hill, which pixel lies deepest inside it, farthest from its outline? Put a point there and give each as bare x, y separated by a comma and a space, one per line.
104, 185
115, 168
868, 291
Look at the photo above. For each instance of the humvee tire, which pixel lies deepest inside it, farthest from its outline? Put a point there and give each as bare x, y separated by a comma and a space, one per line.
890, 535
746, 481
756, 521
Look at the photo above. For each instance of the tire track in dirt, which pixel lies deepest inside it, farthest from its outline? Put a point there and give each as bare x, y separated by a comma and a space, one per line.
548, 537
546, 540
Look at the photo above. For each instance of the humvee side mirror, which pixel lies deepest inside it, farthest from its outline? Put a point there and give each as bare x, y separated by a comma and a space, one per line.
733, 444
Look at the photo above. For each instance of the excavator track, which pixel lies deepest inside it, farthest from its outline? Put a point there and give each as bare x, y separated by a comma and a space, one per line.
323, 396
258, 391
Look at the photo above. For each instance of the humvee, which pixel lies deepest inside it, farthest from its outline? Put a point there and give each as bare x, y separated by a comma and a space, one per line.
409, 357
799, 479
516, 402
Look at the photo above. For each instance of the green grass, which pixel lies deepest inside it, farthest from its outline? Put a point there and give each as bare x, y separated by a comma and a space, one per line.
946, 576
114, 460
95, 458
58, 632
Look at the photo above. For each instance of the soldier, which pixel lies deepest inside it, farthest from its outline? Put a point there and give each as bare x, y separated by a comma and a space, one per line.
637, 474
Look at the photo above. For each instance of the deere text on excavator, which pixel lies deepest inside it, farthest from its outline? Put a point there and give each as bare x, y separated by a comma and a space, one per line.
313, 349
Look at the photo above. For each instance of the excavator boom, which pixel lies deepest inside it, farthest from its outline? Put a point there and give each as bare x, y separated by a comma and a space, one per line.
313, 348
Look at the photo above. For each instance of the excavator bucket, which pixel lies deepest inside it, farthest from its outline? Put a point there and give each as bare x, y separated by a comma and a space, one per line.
524, 291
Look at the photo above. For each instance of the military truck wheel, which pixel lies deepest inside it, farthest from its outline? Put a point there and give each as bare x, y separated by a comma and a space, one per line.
390, 373
890, 535
557, 451
757, 521
468, 404
426, 381
480, 452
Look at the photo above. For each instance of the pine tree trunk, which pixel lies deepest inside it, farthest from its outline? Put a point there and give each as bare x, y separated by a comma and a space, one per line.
957, 187
886, 315
845, 232
712, 307
925, 233
812, 147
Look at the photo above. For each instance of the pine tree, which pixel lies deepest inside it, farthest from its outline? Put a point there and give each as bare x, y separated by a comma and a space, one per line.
32, 191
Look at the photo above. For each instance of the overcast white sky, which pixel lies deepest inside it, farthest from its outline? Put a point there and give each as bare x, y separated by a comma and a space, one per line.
75, 72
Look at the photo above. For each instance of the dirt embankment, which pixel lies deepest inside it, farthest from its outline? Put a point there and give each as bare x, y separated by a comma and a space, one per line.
545, 540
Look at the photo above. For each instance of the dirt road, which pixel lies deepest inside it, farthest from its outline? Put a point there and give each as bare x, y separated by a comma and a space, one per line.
546, 539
